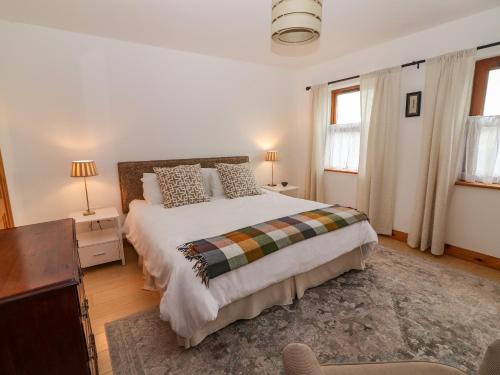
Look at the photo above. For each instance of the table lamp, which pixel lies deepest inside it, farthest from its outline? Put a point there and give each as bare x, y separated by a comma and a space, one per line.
272, 156
84, 168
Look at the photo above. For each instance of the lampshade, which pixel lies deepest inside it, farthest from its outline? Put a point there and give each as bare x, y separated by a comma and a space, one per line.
296, 21
272, 156
83, 168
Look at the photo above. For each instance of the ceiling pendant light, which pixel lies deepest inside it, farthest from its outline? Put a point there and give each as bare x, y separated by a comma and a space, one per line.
296, 21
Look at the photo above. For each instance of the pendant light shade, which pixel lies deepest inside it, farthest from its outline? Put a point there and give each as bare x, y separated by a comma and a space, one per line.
296, 21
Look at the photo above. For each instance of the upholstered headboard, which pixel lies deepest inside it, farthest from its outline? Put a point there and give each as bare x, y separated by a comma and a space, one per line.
130, 173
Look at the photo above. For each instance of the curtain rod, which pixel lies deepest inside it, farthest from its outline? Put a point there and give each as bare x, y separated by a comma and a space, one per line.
417, 63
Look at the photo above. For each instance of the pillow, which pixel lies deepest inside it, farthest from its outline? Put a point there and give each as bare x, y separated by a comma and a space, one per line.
238, 180
181, 185
151, 189
206, 176
216, 187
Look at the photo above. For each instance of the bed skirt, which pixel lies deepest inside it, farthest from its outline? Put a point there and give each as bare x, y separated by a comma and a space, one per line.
282, 293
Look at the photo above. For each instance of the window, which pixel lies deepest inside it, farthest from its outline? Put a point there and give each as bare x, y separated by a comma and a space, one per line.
343, 135
346, 107
486, 88
482, 143
492, 100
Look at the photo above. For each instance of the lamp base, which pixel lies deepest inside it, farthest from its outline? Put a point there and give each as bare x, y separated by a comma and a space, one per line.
271, 185
88, 213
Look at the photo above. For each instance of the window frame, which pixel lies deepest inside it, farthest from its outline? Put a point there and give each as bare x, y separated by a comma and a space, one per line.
333, 117
478, 99
480, 83
334, 94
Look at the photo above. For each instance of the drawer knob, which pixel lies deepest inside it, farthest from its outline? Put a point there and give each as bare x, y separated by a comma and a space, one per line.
91, 348
85, 308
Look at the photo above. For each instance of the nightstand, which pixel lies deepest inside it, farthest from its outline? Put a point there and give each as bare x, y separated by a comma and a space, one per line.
99, 246
287, 190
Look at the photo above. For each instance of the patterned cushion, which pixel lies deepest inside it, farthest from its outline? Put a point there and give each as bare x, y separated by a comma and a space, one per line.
181, 185
238, 180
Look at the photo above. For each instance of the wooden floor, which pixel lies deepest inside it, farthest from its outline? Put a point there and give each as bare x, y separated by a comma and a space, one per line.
115, 291
476, 269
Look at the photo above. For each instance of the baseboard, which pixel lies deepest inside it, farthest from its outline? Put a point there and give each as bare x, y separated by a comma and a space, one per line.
458, 252
472, 256
400, 236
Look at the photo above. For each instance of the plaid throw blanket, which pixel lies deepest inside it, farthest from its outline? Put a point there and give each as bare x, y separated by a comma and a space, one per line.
217, 255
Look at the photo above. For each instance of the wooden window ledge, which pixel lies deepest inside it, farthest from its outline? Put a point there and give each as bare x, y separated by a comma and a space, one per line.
478, 185
340, 171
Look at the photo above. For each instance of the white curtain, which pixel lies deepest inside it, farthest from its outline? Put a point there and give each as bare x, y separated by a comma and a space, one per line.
380, 112
447, 92
319, 122
482, 150
342, 146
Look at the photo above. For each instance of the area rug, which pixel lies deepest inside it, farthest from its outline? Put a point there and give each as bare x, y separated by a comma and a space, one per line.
401, 307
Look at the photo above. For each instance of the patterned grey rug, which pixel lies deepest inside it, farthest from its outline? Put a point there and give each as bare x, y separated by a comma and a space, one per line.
401, 307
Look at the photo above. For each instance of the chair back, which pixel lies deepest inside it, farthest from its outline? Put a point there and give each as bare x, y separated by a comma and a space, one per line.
299, 359
491, 360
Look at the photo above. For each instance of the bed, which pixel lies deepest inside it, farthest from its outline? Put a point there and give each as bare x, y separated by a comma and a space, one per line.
195, 311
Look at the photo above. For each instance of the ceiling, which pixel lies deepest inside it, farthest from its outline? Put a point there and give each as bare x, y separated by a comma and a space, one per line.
240, 29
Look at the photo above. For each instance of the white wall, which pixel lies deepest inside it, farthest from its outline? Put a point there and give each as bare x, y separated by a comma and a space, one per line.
66, 96
473, 218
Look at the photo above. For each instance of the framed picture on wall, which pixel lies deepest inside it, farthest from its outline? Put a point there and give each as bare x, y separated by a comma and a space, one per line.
413, 103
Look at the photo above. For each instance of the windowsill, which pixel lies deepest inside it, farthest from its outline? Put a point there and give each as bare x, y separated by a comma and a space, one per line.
340, 171
478, 185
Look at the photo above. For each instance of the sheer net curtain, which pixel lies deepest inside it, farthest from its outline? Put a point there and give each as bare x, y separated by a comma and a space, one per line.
482, 150
342, 146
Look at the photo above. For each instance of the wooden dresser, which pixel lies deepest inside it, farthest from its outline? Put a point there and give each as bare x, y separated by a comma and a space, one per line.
44, 322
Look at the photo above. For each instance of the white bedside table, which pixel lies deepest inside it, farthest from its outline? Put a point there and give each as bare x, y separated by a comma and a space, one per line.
101, 245
287, 190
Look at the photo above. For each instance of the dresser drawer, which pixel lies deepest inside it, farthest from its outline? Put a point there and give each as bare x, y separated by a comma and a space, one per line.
99, 253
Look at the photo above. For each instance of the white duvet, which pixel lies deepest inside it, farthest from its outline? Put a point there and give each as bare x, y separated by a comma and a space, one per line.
186, 303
